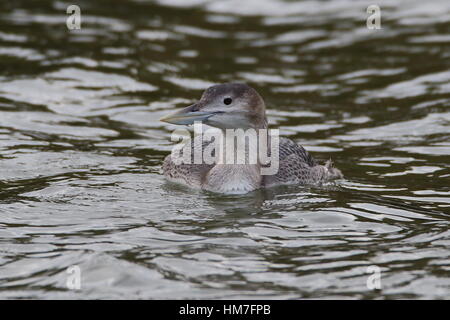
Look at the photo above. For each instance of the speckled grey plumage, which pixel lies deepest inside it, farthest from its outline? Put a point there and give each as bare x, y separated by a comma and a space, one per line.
190, 174
296, 166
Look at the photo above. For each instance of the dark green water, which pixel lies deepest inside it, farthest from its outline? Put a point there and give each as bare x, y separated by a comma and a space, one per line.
81, 149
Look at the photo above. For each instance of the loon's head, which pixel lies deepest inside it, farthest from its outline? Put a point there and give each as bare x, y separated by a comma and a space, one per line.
224, 106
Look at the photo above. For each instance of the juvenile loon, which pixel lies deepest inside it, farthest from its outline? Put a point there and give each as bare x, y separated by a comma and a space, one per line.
238, 106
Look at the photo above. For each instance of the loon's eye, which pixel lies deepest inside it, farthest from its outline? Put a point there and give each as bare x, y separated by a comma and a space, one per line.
227, 101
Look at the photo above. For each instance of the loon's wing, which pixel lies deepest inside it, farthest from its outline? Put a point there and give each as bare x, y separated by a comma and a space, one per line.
297, 166
289, 148
191, 174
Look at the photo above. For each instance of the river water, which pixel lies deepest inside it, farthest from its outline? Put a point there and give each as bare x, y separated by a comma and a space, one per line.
81, 149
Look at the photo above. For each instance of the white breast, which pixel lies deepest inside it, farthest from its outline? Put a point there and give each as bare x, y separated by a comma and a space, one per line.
233, 179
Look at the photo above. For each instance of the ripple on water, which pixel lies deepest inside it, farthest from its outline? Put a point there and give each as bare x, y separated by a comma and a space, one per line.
73, 91
434, 123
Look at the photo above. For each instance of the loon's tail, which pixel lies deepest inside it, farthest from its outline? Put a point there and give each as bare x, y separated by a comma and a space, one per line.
332, 173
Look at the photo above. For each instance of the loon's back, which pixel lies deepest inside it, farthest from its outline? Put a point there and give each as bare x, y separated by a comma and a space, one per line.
297, 166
